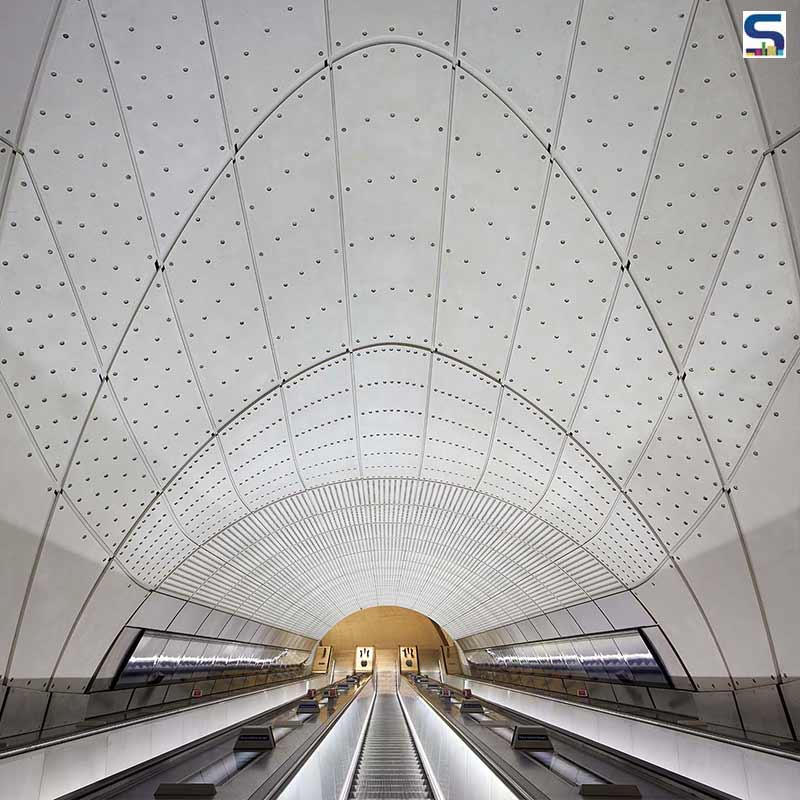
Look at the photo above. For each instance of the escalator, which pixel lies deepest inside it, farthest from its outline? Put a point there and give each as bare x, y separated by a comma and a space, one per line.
388, 766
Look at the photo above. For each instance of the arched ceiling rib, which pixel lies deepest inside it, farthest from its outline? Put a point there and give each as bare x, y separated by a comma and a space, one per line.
468, 308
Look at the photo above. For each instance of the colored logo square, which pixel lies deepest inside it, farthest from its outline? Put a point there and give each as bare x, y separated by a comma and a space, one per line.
764, 34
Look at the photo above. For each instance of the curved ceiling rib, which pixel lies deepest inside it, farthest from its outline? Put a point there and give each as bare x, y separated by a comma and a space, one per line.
407, 264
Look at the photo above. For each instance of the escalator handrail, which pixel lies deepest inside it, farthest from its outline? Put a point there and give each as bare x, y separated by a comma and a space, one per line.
348, 781
277, 782
433, 783
519, 785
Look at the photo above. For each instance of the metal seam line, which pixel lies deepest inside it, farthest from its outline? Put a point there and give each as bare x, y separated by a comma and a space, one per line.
457, 361
534, 239
343, 238
433, 352
454, 61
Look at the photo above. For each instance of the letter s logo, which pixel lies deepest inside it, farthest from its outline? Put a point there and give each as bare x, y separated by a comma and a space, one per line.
751, 29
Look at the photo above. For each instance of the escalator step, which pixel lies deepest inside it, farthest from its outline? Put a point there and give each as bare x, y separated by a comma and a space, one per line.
388, 765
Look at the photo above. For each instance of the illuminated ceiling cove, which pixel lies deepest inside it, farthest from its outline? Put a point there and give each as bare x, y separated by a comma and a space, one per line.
479, 308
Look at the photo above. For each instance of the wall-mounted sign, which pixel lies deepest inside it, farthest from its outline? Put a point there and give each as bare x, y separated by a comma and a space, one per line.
408, 659
365, 656
322, 660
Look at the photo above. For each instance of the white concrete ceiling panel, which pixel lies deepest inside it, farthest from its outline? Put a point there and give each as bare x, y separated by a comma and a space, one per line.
527, 565
24, 478
525, 447
414, 522
579, 497
787, 165
624, 60
162, 611
627, 545
24, 31
203, 496
729, 601
666, 597
68, 565
313, 610
363, 583
461, 413
707, 152
261, 431
392, 389
353, 202
251, 604
545, 628
479, 601
623, 610
233, 629
509, 42
489, 608
225, 583
575, 271
591, 578
110, 605
155, 547
321, 416
676, 479
391, 203
532, 540
589, 617
279, 43
294, 508
322, 502
216, 586
482, 612
109, 481
766, 501
153, 380
495, 181
77, 150
628, 387
565, 624
561, 587
234, 543
351, 22
46, 353
751, 327
163, 70
192, 573
211, 275
289, 184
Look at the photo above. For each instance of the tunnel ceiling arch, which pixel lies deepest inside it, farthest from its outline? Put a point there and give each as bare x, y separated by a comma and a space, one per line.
474, 308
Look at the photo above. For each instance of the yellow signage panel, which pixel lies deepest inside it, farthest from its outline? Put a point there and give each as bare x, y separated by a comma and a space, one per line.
452, 663
408, 659
365, 658
322, 660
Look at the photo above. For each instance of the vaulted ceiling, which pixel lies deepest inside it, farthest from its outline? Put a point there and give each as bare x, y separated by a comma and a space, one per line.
475, 308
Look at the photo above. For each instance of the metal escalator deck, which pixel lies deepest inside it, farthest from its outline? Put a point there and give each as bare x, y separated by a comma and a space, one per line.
388, 766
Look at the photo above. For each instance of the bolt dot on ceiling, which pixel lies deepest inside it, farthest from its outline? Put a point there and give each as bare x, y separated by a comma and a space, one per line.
482, 309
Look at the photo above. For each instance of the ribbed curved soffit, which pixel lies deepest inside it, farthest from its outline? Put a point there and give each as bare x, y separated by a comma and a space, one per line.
378, 318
